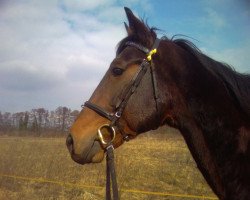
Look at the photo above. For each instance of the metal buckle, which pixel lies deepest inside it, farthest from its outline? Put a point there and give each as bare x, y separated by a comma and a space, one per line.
110, 146
111, 131
118, 114
126, 138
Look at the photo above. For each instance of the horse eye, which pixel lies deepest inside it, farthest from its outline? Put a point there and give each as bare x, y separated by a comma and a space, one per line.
117, 71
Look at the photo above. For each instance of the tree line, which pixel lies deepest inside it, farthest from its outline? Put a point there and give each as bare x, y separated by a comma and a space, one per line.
38, 122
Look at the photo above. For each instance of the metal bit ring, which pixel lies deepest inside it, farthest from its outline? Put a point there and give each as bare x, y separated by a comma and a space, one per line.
101, 137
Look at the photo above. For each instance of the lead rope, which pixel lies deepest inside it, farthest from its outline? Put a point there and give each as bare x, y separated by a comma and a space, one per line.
111, 174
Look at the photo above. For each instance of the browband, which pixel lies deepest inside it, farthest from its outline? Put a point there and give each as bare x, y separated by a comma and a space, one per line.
148, 52
138, 46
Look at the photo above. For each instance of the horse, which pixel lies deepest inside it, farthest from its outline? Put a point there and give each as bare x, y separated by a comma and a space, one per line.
206, 100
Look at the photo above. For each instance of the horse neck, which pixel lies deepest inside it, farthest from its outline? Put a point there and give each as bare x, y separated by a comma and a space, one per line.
205, 114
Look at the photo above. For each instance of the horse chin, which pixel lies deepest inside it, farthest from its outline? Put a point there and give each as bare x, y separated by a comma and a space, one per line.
91, 154
98, 157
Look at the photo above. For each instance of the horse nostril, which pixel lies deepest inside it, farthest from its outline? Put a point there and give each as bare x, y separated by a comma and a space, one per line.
69, 141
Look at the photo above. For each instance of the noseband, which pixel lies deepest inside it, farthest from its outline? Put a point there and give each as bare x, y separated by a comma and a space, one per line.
115, 116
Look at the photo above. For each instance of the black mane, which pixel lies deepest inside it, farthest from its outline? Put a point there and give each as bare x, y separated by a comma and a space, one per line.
238, 85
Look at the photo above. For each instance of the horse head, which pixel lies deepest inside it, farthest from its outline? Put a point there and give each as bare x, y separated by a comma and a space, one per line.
125, 90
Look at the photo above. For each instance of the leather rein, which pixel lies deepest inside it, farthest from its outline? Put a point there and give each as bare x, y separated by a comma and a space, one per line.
114, 117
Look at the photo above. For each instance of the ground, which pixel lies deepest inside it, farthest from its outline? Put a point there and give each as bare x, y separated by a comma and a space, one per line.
41, 168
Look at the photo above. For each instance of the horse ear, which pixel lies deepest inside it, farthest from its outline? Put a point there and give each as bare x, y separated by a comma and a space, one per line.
135, 25
129, 31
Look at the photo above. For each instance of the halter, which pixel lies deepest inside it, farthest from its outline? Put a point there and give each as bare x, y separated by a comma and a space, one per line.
120, 106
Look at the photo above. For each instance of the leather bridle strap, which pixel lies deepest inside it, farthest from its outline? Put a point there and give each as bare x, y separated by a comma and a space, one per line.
110, 174
120, 106
99, 110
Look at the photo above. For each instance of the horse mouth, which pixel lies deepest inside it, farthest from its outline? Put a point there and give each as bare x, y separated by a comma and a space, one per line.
94, 155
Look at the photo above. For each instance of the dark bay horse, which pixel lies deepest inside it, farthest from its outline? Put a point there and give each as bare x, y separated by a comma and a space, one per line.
207, 101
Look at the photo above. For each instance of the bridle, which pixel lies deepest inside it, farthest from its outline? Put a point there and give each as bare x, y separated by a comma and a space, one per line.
120, 106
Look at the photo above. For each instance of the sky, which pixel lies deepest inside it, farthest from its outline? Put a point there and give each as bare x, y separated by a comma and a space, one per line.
55, 52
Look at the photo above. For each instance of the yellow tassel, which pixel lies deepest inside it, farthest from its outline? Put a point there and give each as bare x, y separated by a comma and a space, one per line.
152, 52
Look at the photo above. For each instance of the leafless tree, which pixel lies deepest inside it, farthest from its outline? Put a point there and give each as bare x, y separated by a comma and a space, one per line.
38, 120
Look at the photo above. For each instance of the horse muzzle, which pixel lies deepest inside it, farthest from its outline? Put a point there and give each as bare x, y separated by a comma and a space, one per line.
92, 153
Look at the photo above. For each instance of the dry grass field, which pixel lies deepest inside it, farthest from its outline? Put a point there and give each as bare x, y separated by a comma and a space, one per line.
154, 162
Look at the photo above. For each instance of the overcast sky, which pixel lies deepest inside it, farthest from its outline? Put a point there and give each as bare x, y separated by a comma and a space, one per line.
54, 52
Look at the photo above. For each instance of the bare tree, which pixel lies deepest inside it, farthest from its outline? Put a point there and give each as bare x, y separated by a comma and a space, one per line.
63, 116
38, 120
34, 126
1, 123
7, 121
26, 121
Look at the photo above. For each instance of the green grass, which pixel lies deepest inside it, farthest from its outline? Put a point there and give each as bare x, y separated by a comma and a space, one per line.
154, 162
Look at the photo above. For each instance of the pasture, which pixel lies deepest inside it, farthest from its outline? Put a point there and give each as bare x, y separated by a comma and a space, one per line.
41, 168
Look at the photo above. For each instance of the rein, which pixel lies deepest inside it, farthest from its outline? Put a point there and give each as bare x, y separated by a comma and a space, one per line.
107, 140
